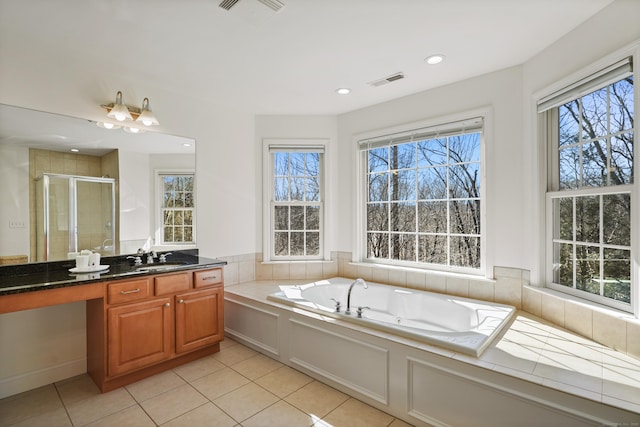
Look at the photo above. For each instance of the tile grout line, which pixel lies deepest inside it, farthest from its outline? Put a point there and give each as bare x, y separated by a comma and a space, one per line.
63, 404
139, 404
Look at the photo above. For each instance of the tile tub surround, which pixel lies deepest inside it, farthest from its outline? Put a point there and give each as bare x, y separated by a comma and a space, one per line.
511, 286
236, 385
531, 349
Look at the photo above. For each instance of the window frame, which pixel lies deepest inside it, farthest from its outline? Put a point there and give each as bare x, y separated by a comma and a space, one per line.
270, 145
443, 123
576, 86
159, 218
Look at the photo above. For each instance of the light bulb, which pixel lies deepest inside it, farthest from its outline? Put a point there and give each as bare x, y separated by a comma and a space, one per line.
107, 125
119, 111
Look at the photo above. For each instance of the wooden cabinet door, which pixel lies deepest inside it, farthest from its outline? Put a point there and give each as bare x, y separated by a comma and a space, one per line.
139, 335
199, 319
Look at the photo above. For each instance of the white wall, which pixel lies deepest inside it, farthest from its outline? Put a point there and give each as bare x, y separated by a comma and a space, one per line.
135, 196
14, 176
500, 92
38, 347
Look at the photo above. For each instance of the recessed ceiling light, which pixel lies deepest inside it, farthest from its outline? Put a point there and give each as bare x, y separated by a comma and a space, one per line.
343, 91
434, 59
186, 144
74, 150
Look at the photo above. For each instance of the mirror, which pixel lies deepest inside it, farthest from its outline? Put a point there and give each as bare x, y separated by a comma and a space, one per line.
147, 169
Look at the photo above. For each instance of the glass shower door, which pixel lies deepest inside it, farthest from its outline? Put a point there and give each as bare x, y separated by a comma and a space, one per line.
94, 213
53, 214
74, 213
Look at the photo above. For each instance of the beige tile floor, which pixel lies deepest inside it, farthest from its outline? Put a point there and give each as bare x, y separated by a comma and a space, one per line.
235, 387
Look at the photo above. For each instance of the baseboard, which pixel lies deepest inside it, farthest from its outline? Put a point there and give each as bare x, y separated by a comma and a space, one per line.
41, 377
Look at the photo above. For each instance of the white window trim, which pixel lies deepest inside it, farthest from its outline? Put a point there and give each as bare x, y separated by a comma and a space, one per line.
158, 197
267, 193
359, 177
543, 245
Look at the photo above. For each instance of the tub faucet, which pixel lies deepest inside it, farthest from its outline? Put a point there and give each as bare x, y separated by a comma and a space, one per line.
358, 280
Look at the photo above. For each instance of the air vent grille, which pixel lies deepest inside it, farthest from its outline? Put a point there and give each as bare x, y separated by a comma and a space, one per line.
273, 4
388, 79
228, 4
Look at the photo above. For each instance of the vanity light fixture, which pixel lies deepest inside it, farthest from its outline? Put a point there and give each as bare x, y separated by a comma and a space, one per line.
119, 111
133, 130
146, 116
107, 125
122, 112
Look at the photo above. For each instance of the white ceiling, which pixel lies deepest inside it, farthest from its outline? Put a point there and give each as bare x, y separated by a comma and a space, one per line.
258, 61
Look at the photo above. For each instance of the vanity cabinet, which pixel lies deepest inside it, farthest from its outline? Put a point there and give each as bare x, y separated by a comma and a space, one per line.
199, 319
138, 335
151, 324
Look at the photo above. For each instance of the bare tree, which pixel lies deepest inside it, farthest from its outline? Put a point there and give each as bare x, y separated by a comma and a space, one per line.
596, 150
424, 201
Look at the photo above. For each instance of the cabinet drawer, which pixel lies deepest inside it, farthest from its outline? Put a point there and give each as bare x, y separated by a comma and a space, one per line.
128, 291
207, 278
172, 283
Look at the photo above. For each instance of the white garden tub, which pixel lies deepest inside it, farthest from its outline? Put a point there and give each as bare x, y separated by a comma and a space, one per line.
460, 324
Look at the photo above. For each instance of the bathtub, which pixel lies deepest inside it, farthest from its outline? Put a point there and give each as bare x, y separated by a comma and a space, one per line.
460, 324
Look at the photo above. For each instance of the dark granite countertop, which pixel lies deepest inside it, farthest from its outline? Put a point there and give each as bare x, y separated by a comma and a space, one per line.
48, 275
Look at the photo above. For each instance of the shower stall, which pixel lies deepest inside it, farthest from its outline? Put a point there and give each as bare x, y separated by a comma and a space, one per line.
74, 213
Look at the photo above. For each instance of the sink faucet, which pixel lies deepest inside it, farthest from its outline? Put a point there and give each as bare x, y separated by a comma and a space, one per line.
150, 255
358, 280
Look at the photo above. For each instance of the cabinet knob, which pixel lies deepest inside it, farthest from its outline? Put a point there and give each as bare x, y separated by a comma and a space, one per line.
180, 301
167, 305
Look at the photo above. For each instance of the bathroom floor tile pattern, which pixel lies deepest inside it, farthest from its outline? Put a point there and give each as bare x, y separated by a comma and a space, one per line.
237, 387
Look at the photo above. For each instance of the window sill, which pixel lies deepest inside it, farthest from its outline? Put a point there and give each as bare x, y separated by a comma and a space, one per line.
426, 272
592, 305
301, 261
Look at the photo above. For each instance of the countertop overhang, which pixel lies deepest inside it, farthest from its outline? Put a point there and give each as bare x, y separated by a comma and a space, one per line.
23, 278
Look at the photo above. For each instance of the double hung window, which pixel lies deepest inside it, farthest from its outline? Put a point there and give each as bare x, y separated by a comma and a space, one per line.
590, 192
422, 197
177, 208
296, 202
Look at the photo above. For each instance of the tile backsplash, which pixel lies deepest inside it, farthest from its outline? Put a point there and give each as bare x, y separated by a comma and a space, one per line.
510, 286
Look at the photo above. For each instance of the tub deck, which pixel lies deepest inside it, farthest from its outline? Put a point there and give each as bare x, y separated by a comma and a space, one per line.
530, 349
467, 337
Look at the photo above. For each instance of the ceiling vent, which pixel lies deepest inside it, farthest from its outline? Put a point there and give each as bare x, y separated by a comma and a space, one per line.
272, 4
388, 79
228, 4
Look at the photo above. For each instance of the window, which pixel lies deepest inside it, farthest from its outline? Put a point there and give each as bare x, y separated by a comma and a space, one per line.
591, 186
422, 200
177, 208
296, 202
